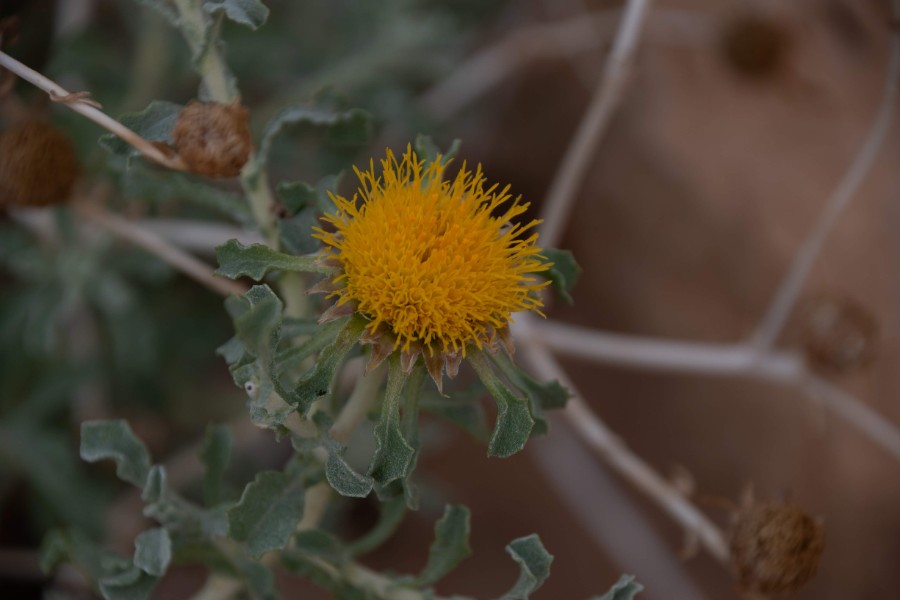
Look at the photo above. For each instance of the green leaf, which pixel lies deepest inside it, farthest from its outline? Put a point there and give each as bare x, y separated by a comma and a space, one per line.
391, 513
298, 195
153, 551
426, 149
534, 566
540, 396
190, 522
338, 472
115, 440
154, 123
564, 272
394, 455
322, 545
164, 186
260, 580
296, 232
624, 589
251, 13
345, 126
268, 512
132, 584
450, 546
463, 408
254, 261
514, 420
215, 454
318, 382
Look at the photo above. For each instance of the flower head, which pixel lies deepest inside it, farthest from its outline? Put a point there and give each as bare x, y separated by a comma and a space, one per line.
435, 266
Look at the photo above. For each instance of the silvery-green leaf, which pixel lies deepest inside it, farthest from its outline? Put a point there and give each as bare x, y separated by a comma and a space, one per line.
394, 455
534, 566
426, 149
564, 272
153, 551
116, 441
251, 13
624, 589
133, 584
514, 420
254, 261
450, 546
215, 454
267, 513
154, 123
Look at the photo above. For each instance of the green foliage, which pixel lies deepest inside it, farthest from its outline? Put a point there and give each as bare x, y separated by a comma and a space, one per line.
268, 511
254, 261
394, 454
514, 419
534, 566
391, 515
116, 441
251, 13
215, 454
450, 546
624, 589
153, 551
426, 149
154, 123
541, 396
563, 273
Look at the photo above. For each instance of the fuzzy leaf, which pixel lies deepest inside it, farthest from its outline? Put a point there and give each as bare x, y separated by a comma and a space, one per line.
296, 195
345, 126
624, 589
514, 420
260, 580
133, 584
153, 551
321, 544
296, 232
394, 455
540, 396
450, 546
534, 566
426, 149
464, 409
154, 123
338, 472
254, 261
116, 440
563, 274
317, 383
251, 13
268, 512
215, 454
177, 514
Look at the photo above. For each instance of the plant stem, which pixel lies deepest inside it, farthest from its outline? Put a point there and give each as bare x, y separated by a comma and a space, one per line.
216, 80
80, 104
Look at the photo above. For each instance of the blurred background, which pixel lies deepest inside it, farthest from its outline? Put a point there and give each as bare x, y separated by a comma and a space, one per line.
737, 122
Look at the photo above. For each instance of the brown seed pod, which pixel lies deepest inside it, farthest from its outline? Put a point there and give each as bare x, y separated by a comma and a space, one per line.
775, 548
212, 138
37, 165
837, 333
755, 46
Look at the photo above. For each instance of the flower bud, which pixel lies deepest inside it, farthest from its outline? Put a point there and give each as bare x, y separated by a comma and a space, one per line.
212, 138
38, 166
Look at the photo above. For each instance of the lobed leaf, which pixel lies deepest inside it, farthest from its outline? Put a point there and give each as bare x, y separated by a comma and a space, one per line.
514, 420
563, 273
153, 551
251, 13
338, 472
534, 566
624, 589
394, 455
540, 396
267, 513
132, 584
450, 546
215, 454
115, 440
254, 261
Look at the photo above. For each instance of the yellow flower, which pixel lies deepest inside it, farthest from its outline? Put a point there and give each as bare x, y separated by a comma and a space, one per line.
435, 266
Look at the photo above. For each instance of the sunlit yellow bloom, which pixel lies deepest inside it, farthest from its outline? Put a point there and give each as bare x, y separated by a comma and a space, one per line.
436, 264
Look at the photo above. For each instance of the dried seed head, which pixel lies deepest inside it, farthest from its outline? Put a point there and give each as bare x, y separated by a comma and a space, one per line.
755, 46
775, 548
37, 165
838, 334
213, 138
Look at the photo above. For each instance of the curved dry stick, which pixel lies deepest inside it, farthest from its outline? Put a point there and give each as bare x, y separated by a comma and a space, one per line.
177, 258
80, 103
619, 457
785, 298
570, 174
